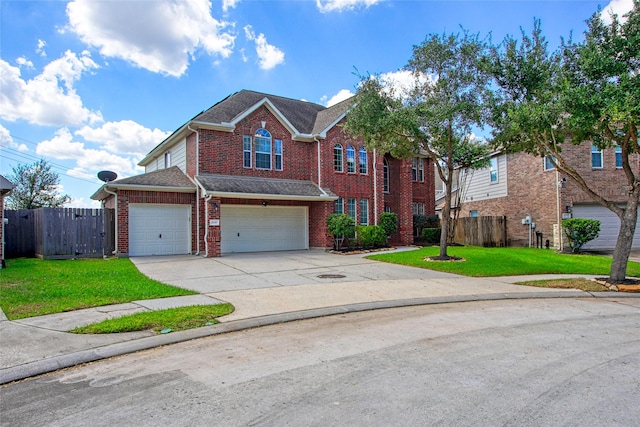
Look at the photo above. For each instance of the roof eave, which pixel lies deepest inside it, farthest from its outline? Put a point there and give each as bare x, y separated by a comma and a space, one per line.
223, 194
140, 187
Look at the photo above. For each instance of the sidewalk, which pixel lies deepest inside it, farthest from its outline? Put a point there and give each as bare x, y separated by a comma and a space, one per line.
39, 345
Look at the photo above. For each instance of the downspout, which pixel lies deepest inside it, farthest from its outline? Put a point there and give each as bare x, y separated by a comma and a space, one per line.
197, 188
315, 138
375, 188
115, 252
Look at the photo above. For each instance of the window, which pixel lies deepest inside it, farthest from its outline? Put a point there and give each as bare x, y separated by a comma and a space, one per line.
548, 166
385, 176
417, 169
339, 206
494, 170
414, 169
262, 142
167, 159
415, 208
387, 209
278, 154
421, 169
362, 158
596, 157
337, 158
351, 208
618, 156
351, 159
246, 151
418, 208
473, 214
364, 211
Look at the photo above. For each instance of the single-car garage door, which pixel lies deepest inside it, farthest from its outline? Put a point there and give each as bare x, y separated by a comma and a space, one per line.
609, 226
159, 229
263, 228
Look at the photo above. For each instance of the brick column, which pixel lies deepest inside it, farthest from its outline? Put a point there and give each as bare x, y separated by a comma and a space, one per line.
405, 210
212, 227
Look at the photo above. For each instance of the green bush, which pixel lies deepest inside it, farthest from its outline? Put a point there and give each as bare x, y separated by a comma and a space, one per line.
340, 226
421, 222
371, 236
431, 235
580, 231
389, 222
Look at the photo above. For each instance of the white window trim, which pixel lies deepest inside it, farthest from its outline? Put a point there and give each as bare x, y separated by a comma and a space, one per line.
248, 138
618, 151
351, 150
167, 159
595, 150
335, 146
493, 170
364, 210
362, 151
275, 154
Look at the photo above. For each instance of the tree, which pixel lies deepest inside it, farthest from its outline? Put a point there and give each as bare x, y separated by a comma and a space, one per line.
36, 187
588, 91
436, 116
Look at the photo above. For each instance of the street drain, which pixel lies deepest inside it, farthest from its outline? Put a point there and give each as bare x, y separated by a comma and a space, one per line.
332, 276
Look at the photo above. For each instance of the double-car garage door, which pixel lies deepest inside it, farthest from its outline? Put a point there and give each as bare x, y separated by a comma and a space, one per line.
159, 229
263, 228
609, 226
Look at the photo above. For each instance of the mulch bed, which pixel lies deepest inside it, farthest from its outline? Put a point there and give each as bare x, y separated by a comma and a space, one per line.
627, 285
354, 251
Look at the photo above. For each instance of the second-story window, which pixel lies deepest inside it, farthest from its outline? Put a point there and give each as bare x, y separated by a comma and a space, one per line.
167, 159
618, 156
596, 157
493, 174
548, 164
246, 151
414, 169
362, 158
262, 142
278, 154
351, 159
385, 176
421, 169
337, 158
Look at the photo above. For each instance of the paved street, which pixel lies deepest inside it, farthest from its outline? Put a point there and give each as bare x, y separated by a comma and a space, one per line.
507, 362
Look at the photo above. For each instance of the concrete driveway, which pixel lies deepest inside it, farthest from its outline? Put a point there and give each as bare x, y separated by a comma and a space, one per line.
273, 269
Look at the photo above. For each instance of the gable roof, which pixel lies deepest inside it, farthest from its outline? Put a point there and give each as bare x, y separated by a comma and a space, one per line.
168, 180
5, 185
305, 120
262, 188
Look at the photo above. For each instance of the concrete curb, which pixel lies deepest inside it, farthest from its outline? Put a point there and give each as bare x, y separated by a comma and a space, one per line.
31, 369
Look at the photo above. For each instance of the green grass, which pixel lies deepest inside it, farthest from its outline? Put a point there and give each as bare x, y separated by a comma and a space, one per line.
34, 287
488, 262
175, 319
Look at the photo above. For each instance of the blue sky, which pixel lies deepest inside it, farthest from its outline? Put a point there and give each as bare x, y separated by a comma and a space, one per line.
94, 85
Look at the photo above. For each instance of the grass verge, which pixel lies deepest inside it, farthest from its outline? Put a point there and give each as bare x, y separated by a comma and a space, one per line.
173, 319
579, 283
34, 287
488, 262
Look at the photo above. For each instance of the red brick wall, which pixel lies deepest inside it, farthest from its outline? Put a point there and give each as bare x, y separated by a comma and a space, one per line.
125, 197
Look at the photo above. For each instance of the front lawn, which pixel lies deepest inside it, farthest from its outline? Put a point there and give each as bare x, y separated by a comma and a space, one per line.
34, 287
488, 262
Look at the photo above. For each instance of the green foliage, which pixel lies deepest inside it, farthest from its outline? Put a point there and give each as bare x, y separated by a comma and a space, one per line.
371, 236
36, 187
341, 225
389, 222
580, 231
431, 235
34, 287
425, 221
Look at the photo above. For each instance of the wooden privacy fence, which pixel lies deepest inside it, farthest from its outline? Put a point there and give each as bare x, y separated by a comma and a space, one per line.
59, 233
488, 231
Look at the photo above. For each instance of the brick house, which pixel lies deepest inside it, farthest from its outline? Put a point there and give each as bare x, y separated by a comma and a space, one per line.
5, 187
521, 185
258, 172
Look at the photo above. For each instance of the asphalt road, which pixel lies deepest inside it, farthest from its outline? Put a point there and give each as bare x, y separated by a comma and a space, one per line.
512, 362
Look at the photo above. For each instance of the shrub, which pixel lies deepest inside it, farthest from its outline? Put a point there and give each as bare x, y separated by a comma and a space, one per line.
389, 222
580, 231
371, 236
425, 221
340, 226
431, 235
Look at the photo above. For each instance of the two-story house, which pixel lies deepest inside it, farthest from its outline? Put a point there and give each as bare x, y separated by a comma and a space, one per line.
534, 196
258, 172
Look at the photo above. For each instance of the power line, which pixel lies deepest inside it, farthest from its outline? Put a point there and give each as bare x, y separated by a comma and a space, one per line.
53, 165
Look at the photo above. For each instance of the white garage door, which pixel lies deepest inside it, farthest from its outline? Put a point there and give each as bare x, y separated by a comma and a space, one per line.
260, 229
159, 229
609, 226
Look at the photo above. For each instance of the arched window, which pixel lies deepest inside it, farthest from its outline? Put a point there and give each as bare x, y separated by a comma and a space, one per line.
362, 159
385, 176
262, 142
351, 159
337, 158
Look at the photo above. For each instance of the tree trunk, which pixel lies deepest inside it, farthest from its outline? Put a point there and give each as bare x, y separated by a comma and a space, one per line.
446, 212
625, 238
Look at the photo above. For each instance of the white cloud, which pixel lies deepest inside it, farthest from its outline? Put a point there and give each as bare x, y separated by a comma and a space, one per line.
401, 83
6, 141
81, 202
125, 137
49, 98
617, 7
160, 36
339, 97
229, 4
24, 62
339, 5
40, 49
88, 161
269, 56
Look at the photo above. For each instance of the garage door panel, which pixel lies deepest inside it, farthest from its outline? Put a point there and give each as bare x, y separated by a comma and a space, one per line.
261, 229
609, 226
159, 229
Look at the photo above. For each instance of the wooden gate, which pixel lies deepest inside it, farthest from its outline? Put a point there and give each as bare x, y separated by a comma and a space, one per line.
488, 231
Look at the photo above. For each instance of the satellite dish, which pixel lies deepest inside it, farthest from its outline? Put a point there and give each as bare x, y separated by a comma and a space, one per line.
107, 176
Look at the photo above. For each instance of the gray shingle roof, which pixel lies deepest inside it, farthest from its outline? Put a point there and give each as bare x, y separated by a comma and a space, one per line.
5, 185
171, 177
327, 117
301, 114
281, 188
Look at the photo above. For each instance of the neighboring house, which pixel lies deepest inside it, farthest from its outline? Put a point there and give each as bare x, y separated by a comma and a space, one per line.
257, 172
5, 187
525, 188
